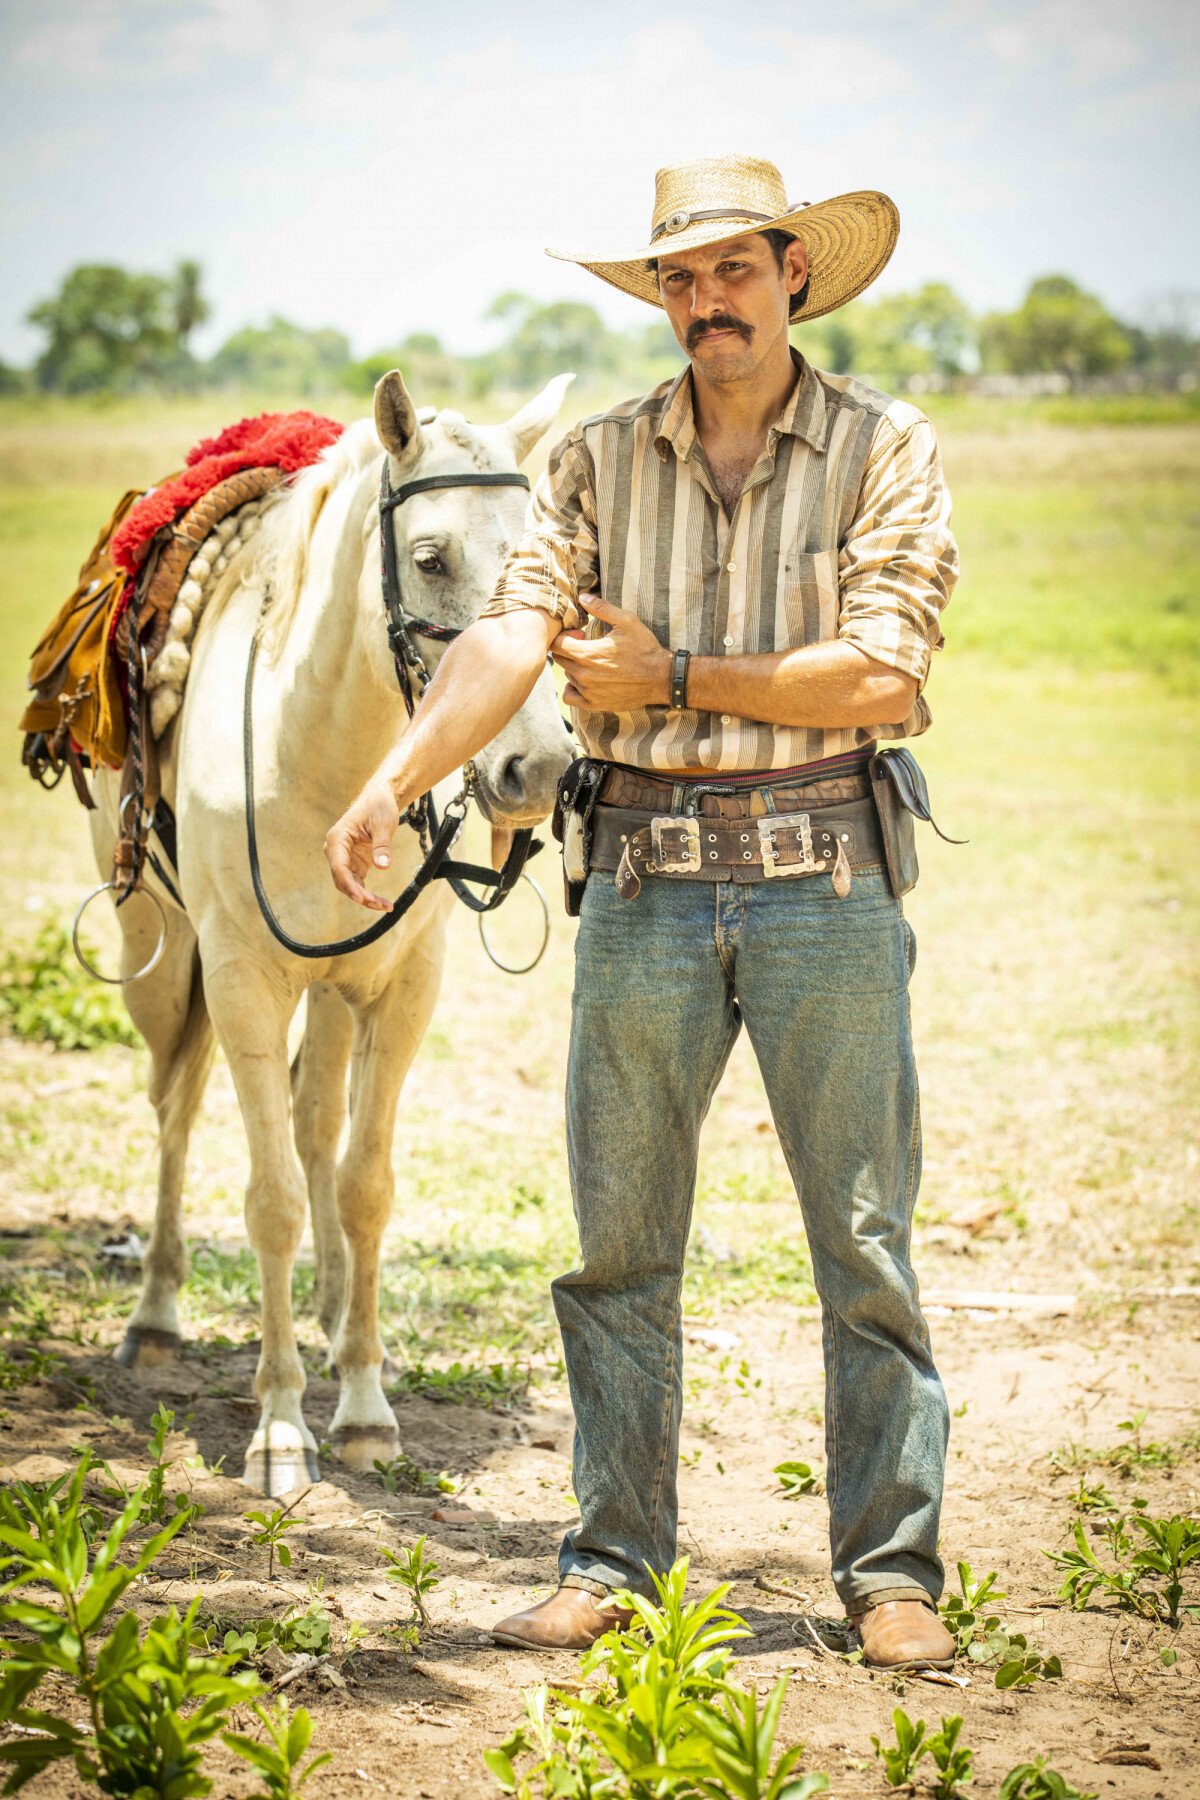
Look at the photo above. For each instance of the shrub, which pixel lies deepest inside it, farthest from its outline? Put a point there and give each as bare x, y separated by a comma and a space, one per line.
44, 994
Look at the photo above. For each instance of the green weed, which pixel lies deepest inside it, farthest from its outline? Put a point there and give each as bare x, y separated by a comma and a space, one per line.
307, 1630
902, 1759
278, 1760
413, 1571
271, 1529
951, 1759
401, 1475
796, 1478
1148, 1581
658, 1715
151, 1702
1036, 1780
46, 996
497, 1386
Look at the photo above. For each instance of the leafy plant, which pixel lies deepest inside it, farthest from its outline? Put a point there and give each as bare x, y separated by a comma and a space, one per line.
494, 1385
901, 1759
309, 1630
1021, 1666
404, 1476
157, 1506
796, 1478
1174, 1543
659, 1715
952, 1759
1087, 1499
414, 1571
961, 1615
278, 1760
270, 1533
1136, 1575
46, 995
741, 1740
1037, 1781
151, 1702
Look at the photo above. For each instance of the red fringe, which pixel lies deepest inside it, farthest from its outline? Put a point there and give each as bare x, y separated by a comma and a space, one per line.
287, 441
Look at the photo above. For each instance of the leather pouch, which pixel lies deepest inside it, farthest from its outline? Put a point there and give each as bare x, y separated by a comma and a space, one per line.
578, 791
901, 795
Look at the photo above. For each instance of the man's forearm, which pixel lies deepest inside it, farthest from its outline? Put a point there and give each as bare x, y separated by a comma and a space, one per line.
831, 684
482, 680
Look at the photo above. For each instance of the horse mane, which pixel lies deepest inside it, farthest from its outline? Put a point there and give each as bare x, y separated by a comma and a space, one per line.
283, 549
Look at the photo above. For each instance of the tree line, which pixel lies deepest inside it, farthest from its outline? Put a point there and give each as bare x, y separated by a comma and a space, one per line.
109, 330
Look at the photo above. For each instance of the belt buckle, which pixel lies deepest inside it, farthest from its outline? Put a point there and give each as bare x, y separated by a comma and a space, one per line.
676, 843
771, 825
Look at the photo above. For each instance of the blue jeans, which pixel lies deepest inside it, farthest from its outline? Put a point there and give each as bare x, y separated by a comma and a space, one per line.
662, 984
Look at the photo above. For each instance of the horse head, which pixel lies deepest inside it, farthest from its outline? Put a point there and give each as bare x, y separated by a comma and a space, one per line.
450, 544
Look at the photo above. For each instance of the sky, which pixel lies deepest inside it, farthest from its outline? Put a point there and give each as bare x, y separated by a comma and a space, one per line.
386, 166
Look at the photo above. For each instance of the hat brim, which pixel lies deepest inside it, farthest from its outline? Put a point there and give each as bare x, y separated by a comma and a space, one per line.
849, 240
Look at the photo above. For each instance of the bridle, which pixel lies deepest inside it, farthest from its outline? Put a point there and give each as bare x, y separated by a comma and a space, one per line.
437, 836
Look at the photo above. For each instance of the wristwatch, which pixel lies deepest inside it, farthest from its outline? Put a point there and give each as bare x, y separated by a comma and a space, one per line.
679, 675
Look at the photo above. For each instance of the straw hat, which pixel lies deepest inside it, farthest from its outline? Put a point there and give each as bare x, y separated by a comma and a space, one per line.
848, 238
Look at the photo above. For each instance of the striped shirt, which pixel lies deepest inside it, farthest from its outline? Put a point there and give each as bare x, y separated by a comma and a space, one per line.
842, 531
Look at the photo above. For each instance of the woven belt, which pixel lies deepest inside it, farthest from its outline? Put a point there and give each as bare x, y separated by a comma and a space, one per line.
835, 778
770, 846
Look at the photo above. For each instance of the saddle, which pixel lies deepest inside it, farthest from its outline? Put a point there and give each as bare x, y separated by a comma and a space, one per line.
107, 675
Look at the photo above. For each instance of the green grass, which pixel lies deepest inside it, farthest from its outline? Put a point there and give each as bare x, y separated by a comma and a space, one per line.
1054, 995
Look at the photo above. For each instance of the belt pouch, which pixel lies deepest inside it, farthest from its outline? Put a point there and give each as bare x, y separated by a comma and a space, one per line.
892, 783
578, 791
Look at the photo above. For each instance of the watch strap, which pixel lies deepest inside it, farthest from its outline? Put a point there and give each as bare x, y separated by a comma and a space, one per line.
679, 675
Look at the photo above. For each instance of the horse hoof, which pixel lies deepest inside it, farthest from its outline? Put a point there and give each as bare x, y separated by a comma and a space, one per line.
360, 1447
279, 1461
146, 1347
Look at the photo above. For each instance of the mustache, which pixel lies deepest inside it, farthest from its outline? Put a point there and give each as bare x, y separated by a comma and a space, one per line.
718, 322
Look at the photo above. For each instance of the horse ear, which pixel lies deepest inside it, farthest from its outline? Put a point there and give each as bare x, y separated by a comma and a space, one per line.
395, 415
528, 427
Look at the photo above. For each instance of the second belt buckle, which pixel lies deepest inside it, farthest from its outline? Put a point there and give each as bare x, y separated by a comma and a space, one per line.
676, 845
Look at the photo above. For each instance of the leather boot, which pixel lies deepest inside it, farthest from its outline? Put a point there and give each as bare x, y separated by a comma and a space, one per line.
571, 1619
904, 1634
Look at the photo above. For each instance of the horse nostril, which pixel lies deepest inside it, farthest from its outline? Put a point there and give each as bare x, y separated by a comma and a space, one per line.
510, 783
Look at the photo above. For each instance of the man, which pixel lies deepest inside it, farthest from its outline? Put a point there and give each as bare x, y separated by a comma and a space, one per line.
789, 530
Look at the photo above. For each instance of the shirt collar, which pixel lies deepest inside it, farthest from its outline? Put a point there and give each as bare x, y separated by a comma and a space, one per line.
804, 413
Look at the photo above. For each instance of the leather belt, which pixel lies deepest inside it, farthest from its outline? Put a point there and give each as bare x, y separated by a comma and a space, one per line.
845, 779
829, 839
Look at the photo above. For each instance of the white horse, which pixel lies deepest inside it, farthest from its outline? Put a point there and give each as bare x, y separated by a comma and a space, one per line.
327, 705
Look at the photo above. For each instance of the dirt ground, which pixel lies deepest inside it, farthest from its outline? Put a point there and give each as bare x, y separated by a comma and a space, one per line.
1022, 1384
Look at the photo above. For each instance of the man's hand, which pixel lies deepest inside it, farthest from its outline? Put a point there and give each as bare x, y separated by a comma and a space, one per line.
361, 840
626, 669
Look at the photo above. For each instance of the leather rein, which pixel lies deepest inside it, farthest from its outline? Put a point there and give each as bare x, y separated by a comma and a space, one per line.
437, 836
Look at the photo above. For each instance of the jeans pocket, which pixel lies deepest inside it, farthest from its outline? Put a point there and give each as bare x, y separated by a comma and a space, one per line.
910, 945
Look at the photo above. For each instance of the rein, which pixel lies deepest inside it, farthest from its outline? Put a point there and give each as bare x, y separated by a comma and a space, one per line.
437, 837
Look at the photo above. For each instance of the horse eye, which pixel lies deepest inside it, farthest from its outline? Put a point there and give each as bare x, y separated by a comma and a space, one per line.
429, 562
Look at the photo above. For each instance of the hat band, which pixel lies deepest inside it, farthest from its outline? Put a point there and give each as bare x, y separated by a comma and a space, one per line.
677, 220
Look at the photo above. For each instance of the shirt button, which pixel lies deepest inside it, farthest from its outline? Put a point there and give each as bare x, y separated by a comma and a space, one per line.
726, 719
727, 639
732, 567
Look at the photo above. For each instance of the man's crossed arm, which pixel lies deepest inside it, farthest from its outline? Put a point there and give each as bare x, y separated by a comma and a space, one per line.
490, 671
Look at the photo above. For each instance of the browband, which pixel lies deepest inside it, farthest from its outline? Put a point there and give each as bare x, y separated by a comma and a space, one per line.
394, 497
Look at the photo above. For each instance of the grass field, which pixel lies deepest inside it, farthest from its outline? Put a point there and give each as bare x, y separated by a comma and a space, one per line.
1055, 1007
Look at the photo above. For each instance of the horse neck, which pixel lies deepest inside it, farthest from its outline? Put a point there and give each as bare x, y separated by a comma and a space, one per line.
328, 688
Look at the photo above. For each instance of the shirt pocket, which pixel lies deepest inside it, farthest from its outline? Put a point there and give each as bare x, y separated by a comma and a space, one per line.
807, 600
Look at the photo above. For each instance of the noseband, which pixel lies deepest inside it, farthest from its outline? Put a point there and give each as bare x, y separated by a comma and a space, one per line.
437, 837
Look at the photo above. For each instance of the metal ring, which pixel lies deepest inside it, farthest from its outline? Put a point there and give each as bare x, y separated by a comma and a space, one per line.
522, 968
121, 980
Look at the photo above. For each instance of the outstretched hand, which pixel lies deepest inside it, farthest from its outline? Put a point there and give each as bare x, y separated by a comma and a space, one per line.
625, 669
362, 840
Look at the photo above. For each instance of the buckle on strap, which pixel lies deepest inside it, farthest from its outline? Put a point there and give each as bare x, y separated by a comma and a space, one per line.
781, 835
676, 844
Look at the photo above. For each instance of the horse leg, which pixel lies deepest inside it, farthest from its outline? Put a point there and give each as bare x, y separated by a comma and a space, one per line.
386, 1036
318, 1114
169, 1010
251, 1006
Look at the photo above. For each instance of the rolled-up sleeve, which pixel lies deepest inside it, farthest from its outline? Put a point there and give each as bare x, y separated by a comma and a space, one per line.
898, 562
555, 558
